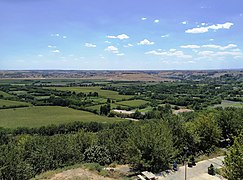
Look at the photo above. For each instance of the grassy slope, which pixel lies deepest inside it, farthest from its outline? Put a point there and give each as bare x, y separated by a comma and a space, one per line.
229, 104
8, 103
5, 94
103, 93
46, 115
132, 103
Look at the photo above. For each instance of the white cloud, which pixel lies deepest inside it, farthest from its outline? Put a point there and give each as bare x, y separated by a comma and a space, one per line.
50, 46
226, 25
121, 36
211, 39
121, 54
156, 21
40, 55
203, 24
219, 55
220, 47
112, 49
89, 45
64, 37
144, 18
174, 53
108, 42
145, 42
197, 30
184, 22
56, 51
190, 46
165, 36
212, 46
57, 35
128, 45
172, 50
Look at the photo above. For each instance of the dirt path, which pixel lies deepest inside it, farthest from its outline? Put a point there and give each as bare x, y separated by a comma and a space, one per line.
78, 174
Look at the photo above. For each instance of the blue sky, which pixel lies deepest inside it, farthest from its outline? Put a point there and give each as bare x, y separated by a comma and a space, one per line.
121, 35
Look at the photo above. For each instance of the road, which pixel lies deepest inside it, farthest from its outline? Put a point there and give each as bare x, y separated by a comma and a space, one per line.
198, 172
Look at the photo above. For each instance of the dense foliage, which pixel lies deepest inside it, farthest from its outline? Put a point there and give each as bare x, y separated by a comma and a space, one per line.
153, 143
146, 145
234, 160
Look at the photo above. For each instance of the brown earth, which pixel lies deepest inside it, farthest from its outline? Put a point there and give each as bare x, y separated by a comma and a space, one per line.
77, 174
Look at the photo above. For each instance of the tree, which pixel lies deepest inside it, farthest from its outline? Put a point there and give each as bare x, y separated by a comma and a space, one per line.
234, 160
137, 115
205, 131
97, 154
105, 110
150, 146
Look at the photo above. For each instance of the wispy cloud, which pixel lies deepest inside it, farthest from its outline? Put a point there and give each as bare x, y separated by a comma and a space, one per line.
219, 54
89, 45
128, 45
57, 35
121, 36
144, 18
50, 46
165, 36
170, 53
220, 47
145, 42
190, 46
214, 46
56, 51
196, 30
184, 22
121, 54
156, 21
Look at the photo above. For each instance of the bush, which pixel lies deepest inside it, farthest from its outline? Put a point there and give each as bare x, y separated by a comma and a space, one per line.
211, 170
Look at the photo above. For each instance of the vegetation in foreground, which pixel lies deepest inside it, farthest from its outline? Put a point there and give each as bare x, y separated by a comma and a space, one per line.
146, 145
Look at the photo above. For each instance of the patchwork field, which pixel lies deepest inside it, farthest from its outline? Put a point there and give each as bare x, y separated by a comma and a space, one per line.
102, 93
46, 115
8, 103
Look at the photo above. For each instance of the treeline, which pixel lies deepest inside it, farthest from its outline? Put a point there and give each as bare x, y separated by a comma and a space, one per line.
193, 94
146, 145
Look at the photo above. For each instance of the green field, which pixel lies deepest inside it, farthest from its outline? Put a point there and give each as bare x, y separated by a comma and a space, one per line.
147, 109
132, 103
226, 103
8, 103
46, 115
18, 92
102, 93
5, 94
